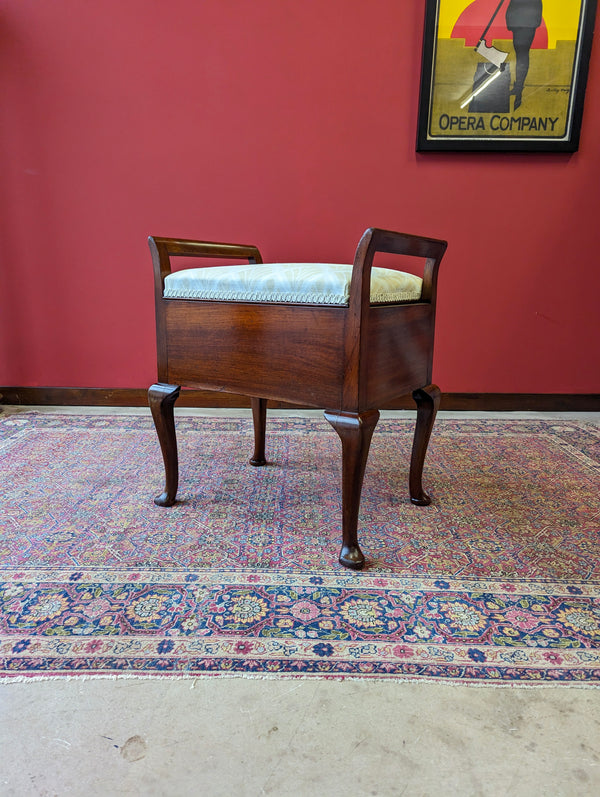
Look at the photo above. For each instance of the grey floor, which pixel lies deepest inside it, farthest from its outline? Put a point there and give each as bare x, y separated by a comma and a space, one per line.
238, 736
248, 736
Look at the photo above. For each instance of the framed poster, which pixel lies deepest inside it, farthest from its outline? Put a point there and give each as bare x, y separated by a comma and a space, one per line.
504, 75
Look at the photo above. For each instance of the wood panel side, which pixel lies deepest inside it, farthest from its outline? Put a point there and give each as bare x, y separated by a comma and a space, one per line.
400, 352
285, 353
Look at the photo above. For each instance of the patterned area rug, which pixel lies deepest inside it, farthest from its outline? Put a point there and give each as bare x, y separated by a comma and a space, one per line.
497, 581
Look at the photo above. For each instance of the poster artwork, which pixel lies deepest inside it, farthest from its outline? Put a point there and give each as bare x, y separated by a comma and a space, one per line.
503, 71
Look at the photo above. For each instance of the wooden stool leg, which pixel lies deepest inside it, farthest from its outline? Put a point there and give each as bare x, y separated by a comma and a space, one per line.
162, 398
355, 431
428, 401
259, 417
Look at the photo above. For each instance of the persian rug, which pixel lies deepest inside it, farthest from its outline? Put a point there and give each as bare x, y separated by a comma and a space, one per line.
498, 581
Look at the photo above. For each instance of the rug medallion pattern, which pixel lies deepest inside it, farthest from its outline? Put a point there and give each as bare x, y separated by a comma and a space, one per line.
497, 581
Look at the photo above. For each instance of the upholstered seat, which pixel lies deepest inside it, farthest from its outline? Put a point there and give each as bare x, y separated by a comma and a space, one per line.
290, 283
347, 339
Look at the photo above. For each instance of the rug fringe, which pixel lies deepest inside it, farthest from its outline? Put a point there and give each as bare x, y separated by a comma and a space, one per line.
21, 679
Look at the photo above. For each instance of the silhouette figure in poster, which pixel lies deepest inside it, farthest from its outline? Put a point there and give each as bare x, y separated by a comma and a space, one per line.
523, 18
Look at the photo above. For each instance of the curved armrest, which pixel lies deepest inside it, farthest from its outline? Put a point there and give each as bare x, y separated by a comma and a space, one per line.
163, 249
397, 243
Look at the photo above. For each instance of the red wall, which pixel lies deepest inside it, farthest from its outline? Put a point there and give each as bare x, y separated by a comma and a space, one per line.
286, 123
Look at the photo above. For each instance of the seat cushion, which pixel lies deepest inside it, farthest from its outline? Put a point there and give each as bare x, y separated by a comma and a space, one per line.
296, 283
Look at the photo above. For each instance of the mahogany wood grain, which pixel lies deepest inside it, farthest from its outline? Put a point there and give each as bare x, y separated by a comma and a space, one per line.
400, 351
280, 352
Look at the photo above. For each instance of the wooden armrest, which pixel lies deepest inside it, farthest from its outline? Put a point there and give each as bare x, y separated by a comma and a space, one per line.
397, 243
163, 249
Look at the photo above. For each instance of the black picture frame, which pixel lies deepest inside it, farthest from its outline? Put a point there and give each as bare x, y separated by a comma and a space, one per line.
532, 96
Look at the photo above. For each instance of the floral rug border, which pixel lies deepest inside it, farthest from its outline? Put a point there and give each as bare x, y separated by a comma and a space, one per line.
274, 641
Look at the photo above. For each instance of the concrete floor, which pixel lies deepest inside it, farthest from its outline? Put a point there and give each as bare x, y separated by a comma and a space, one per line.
238, 736
246, 736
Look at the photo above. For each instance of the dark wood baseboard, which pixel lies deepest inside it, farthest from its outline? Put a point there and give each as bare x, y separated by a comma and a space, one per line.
137, 397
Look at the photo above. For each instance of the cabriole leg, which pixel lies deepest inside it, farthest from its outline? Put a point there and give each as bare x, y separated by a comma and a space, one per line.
355, 431
161, 399
428, 402
259, 418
